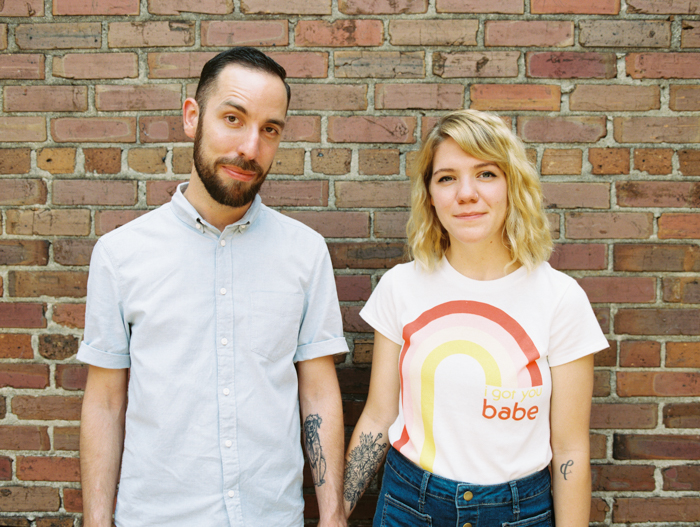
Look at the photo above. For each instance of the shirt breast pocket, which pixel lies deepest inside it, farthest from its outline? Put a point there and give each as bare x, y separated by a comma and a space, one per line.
274, 323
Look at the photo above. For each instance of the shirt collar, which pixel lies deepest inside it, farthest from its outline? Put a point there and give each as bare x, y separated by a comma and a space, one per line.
184, 210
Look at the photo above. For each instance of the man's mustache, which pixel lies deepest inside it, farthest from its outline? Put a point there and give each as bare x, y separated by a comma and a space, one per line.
250, 166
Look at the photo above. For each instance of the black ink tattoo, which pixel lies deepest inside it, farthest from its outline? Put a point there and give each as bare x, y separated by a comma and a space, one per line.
363, 463
312, 441
564, 469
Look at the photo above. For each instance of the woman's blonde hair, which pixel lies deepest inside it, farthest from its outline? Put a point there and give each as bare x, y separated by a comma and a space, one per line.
483, 136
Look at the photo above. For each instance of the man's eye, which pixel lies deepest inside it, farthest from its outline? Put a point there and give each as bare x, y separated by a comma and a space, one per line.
271, 130
232, 118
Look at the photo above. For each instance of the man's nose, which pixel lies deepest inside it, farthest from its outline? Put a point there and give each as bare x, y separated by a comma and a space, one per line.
248, 147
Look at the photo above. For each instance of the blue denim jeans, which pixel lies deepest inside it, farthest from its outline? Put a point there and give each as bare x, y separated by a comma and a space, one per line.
410, 496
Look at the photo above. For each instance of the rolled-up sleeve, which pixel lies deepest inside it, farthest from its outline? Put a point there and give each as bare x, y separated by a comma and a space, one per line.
106, 340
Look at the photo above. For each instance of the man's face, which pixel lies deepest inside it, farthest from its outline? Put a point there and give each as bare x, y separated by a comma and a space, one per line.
238, 134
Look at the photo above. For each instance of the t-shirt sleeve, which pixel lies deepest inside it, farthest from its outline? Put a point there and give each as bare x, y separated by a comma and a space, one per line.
106, 339
380, 310
321, 330
575, 331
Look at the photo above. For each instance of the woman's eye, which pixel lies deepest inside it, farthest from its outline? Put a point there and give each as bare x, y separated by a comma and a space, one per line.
442, 179
487, 175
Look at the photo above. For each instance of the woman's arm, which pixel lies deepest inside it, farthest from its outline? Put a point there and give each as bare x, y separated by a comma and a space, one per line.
370, 441
572, 390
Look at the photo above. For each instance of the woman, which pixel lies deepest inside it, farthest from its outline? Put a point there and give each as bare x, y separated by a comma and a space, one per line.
482, 369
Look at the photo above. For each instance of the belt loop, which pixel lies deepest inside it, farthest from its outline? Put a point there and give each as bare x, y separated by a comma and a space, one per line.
423, 490
516, 499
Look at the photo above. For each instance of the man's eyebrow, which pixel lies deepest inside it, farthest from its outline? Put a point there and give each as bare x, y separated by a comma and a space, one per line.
242, 109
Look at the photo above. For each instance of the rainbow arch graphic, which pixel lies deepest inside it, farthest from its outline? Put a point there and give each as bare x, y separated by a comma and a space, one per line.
478, 330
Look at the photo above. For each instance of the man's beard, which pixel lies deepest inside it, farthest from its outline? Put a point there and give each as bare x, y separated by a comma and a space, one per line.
235, 193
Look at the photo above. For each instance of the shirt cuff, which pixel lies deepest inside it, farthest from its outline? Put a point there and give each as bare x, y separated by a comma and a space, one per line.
321, 349
103, 359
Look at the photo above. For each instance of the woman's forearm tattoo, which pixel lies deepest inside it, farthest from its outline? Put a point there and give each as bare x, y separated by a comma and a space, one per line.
363, 463
312, 442
564, 468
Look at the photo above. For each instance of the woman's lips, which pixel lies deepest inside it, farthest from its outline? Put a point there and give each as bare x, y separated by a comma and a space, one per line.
238, 173
470, 215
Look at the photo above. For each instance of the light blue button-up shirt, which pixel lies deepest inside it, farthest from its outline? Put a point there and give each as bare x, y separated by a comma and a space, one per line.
210, 324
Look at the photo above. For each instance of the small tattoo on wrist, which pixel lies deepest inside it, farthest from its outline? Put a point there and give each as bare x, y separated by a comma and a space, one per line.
564, 469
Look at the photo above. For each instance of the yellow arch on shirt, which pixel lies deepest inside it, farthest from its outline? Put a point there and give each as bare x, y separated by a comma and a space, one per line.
427, 376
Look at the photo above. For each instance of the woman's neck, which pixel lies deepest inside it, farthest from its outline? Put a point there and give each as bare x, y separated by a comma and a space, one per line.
481, 263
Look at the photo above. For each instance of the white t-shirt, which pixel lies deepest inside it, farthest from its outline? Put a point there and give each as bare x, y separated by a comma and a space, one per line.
474, 364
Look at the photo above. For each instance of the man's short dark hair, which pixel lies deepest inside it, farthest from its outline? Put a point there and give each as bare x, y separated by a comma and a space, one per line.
243, 56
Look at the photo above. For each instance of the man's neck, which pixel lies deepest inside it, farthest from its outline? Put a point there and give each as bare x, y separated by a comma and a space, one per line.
218, 215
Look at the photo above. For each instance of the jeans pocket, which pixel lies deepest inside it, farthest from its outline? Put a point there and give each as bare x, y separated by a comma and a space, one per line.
397, 514
541, 520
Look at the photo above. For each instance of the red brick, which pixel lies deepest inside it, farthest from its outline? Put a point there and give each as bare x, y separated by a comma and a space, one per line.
34, 376
608, 225
554, 221
22, 66
353, 288
16, 346
58, 347
5, 468
56, 160
103, 160
160, 192
382, 7
390, 224
689, 161
682, 98
341, 33
615, 416
656, 258
664, 65
64, 521
476, 64
366, 255
49, 283
657, 384
94, 129
92, 192
656, 447
606, 357
69, 315
126, 98
681, 477
579, 256
182, 160
658, 321
77, 35
657, 129
96, 66
40, 468
176, 65
352, 322
295, 193
334, 224
73, 251
148, 160
368, 129
66, 438
71, 376
305, 65
601, 383
690, 34
72, 500
22, 191
652, 509
176, 7
598, 447
45, 98
608, 161
561, 129
245, 33
657, 194
22, 129
49, 407
96, 7
13, 161
420, 96
108, 220
619, 289
33, 8
640, 354
336, 97
382, 161
565, 161
302, 128
679, 226
655, 161
592, 7
291, 7
372, 194
540, 33
571, 65
288, 161
335, 161
625, 33
683, 355
151, 34
682, 415
514, 7
458, 32
379, 64
622, 478
14, 437
614, 98
29, 499
49, 222
665, 7
162, 129
22, 315
576, 195
505, 97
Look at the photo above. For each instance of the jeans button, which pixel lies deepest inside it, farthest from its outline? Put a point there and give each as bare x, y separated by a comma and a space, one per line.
467, 525
468, 496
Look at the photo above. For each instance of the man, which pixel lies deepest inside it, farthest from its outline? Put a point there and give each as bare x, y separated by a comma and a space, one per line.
218, 317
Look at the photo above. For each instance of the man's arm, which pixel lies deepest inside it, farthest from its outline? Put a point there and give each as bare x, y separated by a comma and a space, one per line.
102, 442
322, 431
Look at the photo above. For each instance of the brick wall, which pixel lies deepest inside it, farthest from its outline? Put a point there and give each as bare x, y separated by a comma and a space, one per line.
604, 92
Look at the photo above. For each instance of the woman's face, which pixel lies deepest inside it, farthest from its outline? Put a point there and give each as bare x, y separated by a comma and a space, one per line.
470, 197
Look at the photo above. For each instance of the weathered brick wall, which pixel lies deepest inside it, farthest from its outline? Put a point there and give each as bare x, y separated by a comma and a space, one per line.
604, 92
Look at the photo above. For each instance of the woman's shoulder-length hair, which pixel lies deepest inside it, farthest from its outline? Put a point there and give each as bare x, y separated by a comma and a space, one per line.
484, 136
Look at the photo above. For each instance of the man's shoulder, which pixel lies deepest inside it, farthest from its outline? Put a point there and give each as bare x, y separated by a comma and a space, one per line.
137, 230
289, 227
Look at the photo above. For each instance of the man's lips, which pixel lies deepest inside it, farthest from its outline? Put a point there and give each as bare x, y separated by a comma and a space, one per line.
238, 173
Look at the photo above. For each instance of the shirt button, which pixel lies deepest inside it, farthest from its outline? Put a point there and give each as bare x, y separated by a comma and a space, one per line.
231, 494
222, 242
468, 495
222, 290
228, 443
199, 226
224, 341
226, 391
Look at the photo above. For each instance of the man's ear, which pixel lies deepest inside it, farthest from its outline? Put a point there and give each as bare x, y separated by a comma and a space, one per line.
190, 117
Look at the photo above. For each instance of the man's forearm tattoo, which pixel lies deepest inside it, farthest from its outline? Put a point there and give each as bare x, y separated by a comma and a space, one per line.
312, 441
363, 463
564, 469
